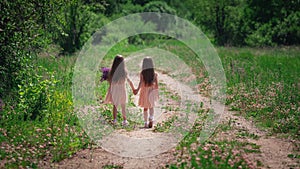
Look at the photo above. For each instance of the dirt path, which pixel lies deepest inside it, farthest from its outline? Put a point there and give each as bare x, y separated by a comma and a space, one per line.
139, 148
274, 151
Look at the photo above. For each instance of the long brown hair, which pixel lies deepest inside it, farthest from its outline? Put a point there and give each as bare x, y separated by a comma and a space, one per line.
117, 71
148, 71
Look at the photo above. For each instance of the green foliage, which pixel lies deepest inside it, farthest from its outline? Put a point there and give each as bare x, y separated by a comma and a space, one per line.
50, 128
75, 23
158, 7
272, 22
262, 36
21, 29
55, 136
35, 86
34, 93
140, 2
220, 19
129, 8
114, 6
254, 22
287, 31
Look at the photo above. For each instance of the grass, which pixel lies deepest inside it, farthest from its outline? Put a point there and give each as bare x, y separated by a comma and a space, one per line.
210, 155
294, 156
55, 134
263, 84
112, 167
246, 134
166, 125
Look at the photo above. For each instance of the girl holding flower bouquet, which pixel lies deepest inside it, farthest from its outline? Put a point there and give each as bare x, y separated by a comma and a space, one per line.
116, 94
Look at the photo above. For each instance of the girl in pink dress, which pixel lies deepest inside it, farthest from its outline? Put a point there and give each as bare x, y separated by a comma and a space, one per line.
117, 92
148, 87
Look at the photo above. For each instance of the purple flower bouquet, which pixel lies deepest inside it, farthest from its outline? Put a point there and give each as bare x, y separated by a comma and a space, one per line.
105, 73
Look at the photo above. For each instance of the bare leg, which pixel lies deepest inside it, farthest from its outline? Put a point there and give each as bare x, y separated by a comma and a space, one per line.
151, 111
115, 111
145, 115
124, 112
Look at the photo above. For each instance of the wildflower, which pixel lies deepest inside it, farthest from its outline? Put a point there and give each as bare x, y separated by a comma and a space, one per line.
235, 152
39, 130
230, 162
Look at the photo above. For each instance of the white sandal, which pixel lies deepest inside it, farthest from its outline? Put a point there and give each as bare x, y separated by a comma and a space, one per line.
125, 123
146, 125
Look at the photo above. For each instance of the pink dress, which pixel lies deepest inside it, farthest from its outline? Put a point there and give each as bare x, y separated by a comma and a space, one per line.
148, 94
116, 93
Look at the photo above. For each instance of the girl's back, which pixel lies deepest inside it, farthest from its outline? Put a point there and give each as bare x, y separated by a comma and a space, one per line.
148, 84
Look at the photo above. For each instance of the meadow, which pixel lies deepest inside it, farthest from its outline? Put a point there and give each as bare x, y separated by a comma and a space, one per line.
263, 85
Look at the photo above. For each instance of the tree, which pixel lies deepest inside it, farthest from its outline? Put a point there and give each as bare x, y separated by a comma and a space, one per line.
21, 33
158, 7
140, 2
73, 23
222, 19
273, 22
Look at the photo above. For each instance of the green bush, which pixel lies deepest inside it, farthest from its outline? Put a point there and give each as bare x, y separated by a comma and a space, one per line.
33, 93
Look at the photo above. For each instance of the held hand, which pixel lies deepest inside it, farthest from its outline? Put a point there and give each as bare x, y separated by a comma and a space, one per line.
135, 91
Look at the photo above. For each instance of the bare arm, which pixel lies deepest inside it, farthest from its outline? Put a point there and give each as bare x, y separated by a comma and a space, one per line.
137, 90
155, 82
131, 84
